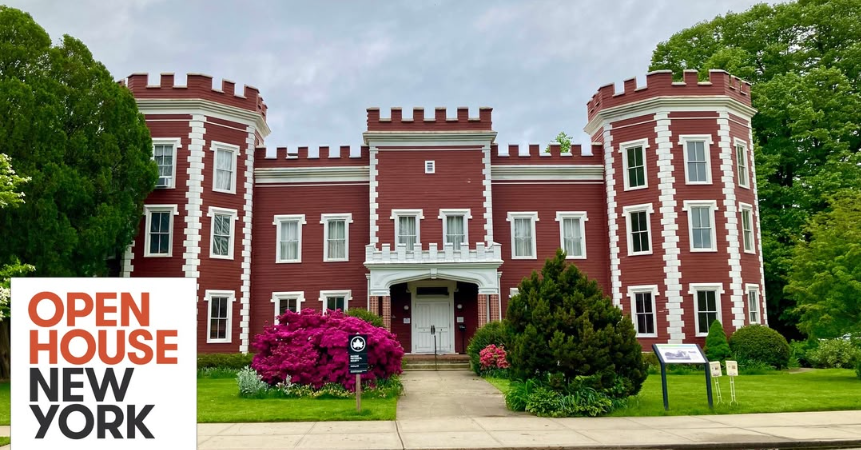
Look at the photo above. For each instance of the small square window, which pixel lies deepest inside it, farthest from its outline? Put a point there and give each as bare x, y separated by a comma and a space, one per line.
430, 166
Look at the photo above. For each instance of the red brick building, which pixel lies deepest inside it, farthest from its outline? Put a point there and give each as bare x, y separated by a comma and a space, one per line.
432, 223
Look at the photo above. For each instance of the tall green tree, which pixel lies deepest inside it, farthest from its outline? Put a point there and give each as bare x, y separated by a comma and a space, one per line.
804, 62
80, 138
825, 278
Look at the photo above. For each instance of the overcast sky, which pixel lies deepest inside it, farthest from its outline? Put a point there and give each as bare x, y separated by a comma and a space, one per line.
320, 64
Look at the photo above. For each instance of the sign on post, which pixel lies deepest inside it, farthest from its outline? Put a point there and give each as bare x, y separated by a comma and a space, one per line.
681, 354
357, 349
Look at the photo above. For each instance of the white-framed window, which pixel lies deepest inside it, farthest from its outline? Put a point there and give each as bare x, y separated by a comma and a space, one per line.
288, 237
430, 166
523, 239
706, 305
701, 224
698, 168
219, 316
287, 301
634, 164
333, 300
407, 227
741, 163
224, 169
747, 227
158, 241
638, 219
643, 309
164, 154
221, 232
336, 236
753, 303
512, 292
455, 230
572, 233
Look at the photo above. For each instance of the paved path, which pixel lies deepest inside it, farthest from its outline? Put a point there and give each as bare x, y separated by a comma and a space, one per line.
449, 393
840, 429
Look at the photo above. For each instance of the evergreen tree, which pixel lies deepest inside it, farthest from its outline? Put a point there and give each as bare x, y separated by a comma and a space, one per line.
717, 347
562, 325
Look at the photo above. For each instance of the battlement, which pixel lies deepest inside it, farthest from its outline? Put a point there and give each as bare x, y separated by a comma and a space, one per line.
439, 122
196, 86
304, 156
660, 84
538, 154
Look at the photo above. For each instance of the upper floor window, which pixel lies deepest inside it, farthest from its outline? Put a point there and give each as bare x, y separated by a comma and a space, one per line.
753, 303
219, 310
572, 233
747, 227
706, 305
288, 235
336, 236
164, 154
287, 301
222, 232
643, 309
523, 242
639, 229
224, 177
697, 159
634, 161
701, 224
454, 226
741, 163
407, 230
333, 300
158, 240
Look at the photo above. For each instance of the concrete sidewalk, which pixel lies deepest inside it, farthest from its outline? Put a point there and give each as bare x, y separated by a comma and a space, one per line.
839, 429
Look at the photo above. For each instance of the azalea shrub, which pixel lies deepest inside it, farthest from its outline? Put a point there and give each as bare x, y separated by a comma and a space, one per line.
493, 357
310, 349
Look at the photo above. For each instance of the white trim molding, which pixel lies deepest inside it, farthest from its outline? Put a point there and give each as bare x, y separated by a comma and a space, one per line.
346, 293
194, 207
627, 211
172, 210
651, 289
325, 219
623, 151
277, 297
214, 147
443, 215
487, 174
581, 218
731, 223
231, 297
533, 218
277, 221
247, 213
232, 213
688, 207
693, 288
706, 139
612, 215
177, 144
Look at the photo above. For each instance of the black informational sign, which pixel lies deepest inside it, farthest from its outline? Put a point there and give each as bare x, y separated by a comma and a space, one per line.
357, 349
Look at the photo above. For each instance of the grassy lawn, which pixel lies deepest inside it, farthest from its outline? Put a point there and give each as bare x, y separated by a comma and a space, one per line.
218, 401
817, 390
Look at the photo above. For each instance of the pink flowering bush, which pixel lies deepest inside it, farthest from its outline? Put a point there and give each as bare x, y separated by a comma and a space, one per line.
493, 357
311, 349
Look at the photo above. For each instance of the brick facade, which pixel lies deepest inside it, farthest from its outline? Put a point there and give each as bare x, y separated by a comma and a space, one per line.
517, 204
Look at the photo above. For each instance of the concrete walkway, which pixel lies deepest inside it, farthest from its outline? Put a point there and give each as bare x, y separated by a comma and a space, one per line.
431, 395
840, 429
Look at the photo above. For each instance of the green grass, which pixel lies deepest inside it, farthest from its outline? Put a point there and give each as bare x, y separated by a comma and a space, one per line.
4, 440
817, 390
499, 383
218, 401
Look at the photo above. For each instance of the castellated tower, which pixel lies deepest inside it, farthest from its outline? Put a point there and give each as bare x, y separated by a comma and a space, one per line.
197, 223
682, 210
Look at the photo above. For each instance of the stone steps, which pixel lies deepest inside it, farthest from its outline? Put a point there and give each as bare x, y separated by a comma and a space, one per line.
442, 362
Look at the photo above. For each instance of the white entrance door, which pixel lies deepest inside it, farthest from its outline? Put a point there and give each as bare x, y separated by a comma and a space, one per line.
432, 314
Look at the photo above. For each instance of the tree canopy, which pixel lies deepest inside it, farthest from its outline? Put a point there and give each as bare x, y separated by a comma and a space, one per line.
804, 62
825, 278
79, 137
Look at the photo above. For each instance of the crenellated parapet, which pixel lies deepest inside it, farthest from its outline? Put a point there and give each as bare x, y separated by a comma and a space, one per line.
660, 84
197, 86
305, 156
438, 122
539, 154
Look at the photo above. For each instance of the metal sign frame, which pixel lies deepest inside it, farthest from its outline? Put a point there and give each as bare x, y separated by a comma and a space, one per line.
656, 349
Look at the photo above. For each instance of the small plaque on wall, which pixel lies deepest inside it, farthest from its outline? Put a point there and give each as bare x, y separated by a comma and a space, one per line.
460, 320
406, 320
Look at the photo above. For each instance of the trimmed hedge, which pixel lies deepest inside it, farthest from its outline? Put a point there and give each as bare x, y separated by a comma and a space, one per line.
494, 333
367, 316
760, 343
234, 361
